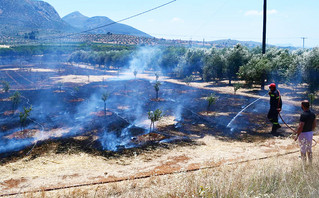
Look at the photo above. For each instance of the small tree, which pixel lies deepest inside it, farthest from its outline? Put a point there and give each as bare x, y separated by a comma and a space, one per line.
154, 117
24, 116
16, 99
105, 96
135, 73
157, 88
237, 86
6, 86
211, 100
157, 75
312, 98
188, 79
60, 85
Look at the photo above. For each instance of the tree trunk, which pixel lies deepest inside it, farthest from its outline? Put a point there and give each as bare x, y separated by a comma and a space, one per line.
262, 84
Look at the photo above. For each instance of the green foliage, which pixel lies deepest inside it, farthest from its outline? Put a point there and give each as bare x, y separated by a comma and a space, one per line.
282, 63
279, 65
5, 86
68, 48
236, 57
214, 65
76, 89
75, 92
135, 73
154, 116
311, 69
191, 62
106, 58
171, 57
188, 79
157, 75
15, 98
104, 97
237, 86
257, 70
312, 97
25, 115
211, 100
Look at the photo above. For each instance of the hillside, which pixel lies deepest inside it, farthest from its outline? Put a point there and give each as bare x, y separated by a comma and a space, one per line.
26, 15
77, 20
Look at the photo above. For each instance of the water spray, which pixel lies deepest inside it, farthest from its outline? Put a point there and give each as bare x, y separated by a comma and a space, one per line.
238, 114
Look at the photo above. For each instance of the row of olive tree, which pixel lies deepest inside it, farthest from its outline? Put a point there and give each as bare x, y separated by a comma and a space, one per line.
238, 62
116, 58
283, 66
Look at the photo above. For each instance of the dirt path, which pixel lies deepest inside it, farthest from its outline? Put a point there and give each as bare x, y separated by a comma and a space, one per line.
61, 171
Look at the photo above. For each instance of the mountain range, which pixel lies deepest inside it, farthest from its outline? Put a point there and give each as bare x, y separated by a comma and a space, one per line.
83, 23
29, 15
23, 16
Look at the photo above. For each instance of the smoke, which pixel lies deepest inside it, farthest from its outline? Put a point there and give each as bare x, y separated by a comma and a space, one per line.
145, 58
72, 113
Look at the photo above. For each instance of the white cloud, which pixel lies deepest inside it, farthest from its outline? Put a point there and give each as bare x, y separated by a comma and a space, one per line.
177, 20
259, 13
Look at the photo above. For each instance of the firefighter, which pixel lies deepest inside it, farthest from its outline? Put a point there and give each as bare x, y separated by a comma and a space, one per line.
275, 107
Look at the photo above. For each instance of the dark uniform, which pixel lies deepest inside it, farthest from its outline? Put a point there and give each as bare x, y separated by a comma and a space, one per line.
275, 104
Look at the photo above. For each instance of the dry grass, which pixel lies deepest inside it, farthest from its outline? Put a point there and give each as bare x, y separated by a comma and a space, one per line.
273, 177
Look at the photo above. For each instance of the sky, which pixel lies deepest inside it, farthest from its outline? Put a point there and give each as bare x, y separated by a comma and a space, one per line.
288, 20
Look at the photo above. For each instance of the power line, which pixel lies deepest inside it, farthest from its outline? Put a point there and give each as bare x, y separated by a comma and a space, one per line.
114, 22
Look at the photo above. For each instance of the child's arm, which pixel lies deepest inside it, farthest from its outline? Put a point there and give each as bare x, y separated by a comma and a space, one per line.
299, 130
314, 124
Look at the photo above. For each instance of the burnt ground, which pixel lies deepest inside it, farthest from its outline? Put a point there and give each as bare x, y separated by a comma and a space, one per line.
72, 110
68, 125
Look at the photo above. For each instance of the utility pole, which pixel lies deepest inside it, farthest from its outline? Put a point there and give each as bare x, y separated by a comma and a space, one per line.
264, 28
303, 42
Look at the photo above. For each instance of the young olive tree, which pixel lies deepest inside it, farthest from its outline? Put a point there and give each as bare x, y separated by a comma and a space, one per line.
237, 86
211, 100
188, 79
16, 99
60, 86
24, 116
154, 116
104, 97
135, 73
76, 91
157, 75
312, 98
5, 86
157, 88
